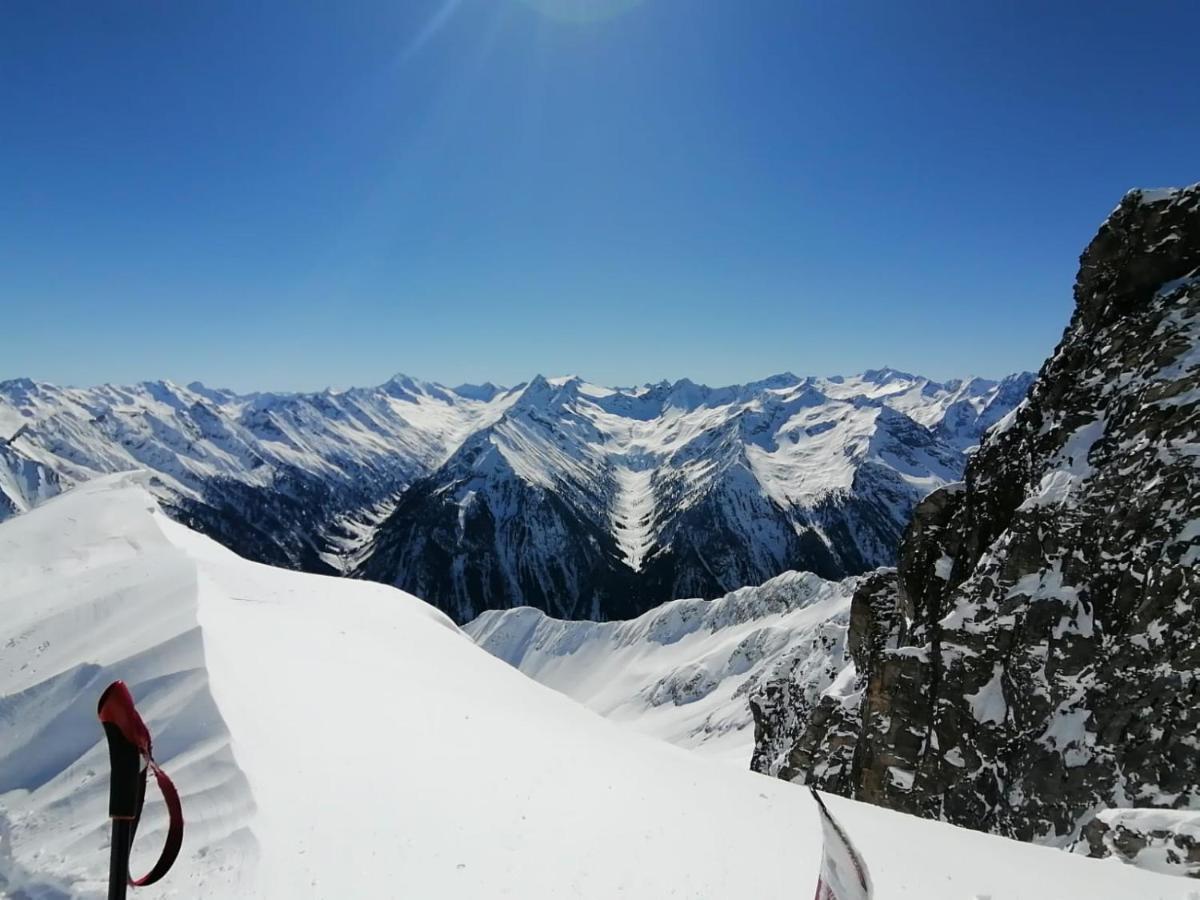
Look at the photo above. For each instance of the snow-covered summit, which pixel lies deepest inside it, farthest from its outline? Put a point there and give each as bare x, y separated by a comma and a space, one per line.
333, 738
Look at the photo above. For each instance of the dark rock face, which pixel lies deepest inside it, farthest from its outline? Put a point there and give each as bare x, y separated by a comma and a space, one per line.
796, 739
279, 525
1039, 657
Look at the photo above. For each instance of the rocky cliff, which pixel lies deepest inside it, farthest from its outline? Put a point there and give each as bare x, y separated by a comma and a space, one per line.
1036, 656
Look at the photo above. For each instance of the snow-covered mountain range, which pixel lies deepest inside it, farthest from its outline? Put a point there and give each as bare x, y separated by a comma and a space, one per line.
332, 738
580, 500
290, 479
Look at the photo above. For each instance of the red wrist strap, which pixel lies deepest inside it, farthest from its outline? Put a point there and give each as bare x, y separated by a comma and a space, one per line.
116, 709
174, 840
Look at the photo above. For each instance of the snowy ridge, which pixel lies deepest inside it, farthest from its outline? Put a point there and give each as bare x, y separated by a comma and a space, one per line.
397, 800
94, 591
682, 671
188, 435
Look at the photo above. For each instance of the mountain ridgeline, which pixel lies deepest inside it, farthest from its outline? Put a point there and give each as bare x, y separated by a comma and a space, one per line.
1035, 659
593, 503
581, 500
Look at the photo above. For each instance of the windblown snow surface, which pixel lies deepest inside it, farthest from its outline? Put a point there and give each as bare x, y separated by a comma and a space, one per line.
342, 739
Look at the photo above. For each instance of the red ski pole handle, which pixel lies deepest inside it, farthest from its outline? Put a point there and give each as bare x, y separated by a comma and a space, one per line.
128, 746
128, 742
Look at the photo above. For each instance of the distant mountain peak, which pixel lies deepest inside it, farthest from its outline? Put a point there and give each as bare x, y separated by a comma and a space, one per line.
406, 382
483, 392
777, 382
886, 374
580, 495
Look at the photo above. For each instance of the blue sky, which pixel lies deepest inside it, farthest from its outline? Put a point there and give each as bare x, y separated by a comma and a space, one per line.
288, 195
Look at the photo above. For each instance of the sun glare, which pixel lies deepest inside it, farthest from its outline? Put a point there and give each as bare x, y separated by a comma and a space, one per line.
582, 10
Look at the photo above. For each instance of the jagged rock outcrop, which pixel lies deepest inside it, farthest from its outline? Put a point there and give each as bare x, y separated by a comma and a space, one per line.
1166, 841
800, 734
1039, 658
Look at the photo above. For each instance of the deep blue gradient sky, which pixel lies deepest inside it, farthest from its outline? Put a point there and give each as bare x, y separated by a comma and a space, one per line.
287, 195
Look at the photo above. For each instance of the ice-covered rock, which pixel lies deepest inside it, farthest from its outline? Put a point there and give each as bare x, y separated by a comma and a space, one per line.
1162, 840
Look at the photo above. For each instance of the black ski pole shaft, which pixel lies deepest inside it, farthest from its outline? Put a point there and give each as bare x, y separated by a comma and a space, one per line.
118, 860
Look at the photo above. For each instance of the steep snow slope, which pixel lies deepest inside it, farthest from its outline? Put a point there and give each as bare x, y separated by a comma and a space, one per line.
589, 502
341, 739
683, 671
24, 483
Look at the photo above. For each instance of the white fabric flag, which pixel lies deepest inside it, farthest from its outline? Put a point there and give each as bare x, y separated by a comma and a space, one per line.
843, 873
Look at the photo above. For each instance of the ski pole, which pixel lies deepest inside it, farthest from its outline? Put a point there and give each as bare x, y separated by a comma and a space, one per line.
126, 788
131, 758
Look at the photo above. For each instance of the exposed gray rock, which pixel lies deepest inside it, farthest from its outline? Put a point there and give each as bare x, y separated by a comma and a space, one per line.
1040, 656
798, 736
